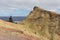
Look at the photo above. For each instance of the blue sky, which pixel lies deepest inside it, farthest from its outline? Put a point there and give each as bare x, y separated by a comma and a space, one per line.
23, 7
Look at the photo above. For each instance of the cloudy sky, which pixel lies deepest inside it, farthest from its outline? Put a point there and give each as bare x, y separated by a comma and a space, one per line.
23, 7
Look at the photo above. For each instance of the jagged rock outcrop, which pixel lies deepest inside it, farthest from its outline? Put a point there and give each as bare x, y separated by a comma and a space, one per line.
45, 23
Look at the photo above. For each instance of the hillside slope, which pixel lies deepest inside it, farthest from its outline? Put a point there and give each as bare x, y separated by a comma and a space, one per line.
11, 31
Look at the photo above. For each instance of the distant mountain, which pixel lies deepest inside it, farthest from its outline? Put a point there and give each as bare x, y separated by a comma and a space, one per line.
15, 19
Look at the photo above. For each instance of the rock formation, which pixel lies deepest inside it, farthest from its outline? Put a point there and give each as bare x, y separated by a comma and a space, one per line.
45, 23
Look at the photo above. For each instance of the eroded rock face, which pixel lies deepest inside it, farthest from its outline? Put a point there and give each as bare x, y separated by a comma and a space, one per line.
47, 22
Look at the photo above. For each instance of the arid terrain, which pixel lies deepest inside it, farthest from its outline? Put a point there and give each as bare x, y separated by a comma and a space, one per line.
40, 24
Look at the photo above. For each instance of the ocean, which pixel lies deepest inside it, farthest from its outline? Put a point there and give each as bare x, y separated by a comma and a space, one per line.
15, 19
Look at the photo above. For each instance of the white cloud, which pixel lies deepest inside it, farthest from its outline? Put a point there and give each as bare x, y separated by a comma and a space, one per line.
11, 5
28, 4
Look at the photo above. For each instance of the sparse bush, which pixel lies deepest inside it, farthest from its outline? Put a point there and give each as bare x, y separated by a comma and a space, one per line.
10, 19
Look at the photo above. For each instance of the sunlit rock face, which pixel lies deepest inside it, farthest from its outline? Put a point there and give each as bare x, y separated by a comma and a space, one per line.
45, 23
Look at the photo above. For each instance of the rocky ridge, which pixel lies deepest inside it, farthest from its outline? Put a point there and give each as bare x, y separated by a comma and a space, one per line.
45, 23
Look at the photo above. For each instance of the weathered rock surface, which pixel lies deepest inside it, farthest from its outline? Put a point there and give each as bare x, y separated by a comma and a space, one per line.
45, 23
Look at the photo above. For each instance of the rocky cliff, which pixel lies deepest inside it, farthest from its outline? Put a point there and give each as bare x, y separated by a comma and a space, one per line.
44, 23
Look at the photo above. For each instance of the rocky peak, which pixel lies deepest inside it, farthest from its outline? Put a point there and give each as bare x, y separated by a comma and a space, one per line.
36, 8
44, 22
38, 13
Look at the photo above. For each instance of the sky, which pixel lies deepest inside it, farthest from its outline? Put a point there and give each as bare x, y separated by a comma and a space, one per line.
23, 7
